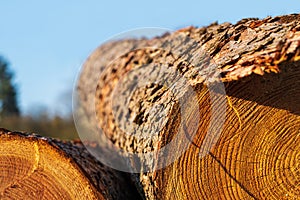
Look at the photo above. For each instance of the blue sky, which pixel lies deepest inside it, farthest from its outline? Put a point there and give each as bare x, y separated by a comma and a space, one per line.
47, 41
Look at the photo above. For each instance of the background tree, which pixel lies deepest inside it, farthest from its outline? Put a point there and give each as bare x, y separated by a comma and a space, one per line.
8, 93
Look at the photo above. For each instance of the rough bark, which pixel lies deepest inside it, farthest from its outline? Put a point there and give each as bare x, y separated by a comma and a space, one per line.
257, 154
35, 167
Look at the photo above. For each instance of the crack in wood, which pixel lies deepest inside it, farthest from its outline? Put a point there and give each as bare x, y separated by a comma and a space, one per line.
232, 177
221, 165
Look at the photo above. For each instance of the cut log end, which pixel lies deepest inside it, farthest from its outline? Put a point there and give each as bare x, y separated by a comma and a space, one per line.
257, 155
33, 167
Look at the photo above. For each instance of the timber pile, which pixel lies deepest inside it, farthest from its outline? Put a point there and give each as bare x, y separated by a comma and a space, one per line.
257, 153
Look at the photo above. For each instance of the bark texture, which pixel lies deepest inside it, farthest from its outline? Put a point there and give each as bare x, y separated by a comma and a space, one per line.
257, 154
35, 167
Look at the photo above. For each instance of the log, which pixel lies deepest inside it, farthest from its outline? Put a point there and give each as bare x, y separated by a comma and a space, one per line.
254, 153
35, 167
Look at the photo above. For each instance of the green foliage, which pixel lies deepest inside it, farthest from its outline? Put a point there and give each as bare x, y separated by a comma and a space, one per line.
55, 127
8, 93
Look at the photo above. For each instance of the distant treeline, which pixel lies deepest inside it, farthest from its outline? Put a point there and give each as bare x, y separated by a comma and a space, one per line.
56, 127
40, 123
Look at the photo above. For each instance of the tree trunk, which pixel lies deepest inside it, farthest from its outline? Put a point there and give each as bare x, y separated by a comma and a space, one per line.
34, 167
252, 154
